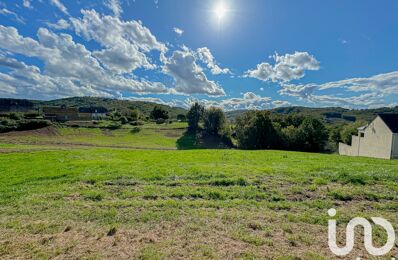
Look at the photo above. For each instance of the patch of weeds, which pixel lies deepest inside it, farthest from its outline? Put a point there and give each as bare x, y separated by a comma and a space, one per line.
371, 196
313, 256
320, 181
355, 179
229, 182
93, 195
151, 253
250, 239
215, 195
255, 226
319, 204
135, 130
277, 197
340, 195
286, 228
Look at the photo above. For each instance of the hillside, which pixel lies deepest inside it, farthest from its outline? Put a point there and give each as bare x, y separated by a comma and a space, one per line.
110, 104
330, 114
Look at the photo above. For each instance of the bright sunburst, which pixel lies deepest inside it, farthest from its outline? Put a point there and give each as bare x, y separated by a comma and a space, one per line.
220, 10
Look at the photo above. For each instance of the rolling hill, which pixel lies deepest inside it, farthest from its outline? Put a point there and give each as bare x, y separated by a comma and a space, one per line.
111, 104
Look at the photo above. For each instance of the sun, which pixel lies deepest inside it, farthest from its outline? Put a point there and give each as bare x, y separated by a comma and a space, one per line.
220, 11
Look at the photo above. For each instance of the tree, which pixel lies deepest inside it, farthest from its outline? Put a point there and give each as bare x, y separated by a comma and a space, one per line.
349, 130
134, 115
181, 117
292, 138
254, 130
195, 114
159, 113
314, 134
214, 121
335, 135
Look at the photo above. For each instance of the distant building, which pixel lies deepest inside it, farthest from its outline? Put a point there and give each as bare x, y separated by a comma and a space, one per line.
61, 114
92, 113
15, 105
379, 139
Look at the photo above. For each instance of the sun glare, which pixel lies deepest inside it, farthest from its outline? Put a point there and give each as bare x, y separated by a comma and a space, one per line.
220, 10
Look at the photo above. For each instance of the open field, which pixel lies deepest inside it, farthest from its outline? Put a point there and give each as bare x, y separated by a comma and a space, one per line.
100, 202
150, 136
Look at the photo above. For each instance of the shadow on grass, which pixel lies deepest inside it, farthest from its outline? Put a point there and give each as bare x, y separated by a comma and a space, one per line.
192, 140
188, 141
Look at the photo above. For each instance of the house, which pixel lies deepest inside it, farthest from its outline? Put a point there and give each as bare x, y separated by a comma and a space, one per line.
379, 139
61, 114
92, 113
15, 105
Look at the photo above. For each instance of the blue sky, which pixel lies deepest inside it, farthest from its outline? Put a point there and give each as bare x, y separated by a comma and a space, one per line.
236, 54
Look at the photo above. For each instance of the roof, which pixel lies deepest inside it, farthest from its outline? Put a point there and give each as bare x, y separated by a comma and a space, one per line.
391, 120
362, 128
92, 110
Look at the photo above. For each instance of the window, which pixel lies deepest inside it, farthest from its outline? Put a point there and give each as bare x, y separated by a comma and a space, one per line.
362, 135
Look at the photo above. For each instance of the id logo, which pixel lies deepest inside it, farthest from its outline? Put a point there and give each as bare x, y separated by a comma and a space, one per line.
350, 235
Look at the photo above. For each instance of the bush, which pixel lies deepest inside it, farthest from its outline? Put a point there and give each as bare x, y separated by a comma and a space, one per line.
181, 118
32, 124
124, 120
160, 121
159, 113
214, 121
254, 130
137, 123
110, 125
8, 125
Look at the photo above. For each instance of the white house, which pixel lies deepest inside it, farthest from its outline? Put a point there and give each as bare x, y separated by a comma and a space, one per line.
379, 139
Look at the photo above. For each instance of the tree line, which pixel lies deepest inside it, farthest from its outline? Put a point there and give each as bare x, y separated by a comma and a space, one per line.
258, 129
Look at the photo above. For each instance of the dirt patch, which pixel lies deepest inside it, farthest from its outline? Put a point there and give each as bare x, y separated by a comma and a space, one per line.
46, 131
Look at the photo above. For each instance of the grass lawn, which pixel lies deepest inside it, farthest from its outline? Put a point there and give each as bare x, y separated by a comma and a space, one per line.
148, 204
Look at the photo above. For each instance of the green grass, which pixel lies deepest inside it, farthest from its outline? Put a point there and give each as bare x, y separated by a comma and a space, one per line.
191, 204
148, 136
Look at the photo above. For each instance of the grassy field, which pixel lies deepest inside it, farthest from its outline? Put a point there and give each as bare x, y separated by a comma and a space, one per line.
102, 202
150, 136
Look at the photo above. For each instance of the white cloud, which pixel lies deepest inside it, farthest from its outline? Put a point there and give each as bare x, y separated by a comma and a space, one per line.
115, 7
27, 4
358, 92
178, 31
126, 42
287, 67
67, 64
60, 6
109, 31
6, 12
206, 57
189, 76
61, 24
249, 100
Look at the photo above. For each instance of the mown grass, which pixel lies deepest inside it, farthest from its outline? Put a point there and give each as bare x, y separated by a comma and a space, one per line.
101, 203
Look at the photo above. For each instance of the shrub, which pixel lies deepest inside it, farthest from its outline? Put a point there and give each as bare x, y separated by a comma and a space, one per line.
137, 123
159, 113
160, 121
181, 118
32, 124
124, 120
